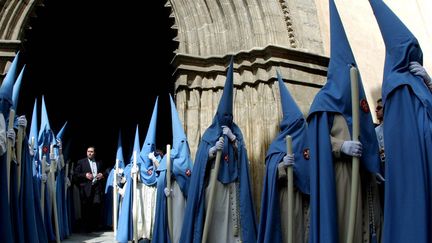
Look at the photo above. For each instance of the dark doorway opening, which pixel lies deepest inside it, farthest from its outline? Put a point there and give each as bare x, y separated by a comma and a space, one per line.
88, 60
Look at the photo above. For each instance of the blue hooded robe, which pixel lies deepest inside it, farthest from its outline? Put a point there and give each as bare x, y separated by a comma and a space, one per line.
293, 124
181, 171
60, 189
27, 210
125, 224
233, 168
335, 99
407, 133
15, 190
7, 228
45, 139
109, 185
35, 167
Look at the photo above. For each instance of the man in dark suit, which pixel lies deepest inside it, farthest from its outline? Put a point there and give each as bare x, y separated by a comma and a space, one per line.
90, 178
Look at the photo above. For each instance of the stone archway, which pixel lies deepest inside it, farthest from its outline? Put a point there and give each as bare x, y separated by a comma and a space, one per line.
14, 16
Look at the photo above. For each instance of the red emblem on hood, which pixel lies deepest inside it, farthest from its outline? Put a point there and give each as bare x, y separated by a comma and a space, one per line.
188, 172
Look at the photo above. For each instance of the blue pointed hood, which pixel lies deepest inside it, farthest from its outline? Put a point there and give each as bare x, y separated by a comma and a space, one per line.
16, 89
148, 176
402, 48
224, 113
293, 124
224, 117
335, 96
61, 132
136, 147
33, 126
59, 137
150, 140
393, 30
180, 153
178, 133
119, 155
290, 110
44, 125
46, 135
6, 88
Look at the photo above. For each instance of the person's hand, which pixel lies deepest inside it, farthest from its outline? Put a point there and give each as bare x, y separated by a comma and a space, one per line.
44, 177
134, 169
11, 135
31, 151
121, 191
89, 176
59, 144
168, 192
418, 70
99, 176
52, 156
67, 182
218, 146
286, 161
352, 148
152, 157
22, 121
227, 131
379, 178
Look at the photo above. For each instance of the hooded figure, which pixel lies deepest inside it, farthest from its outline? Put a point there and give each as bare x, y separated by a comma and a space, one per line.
125, 224
46, 138
332, 149
181, 170
26, 201
273, 219
233, 213
62, 203
110, 184
7, 229
146, 189
36, 175
407, 133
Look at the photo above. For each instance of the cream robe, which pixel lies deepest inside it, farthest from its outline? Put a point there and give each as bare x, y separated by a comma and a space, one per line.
342, 166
